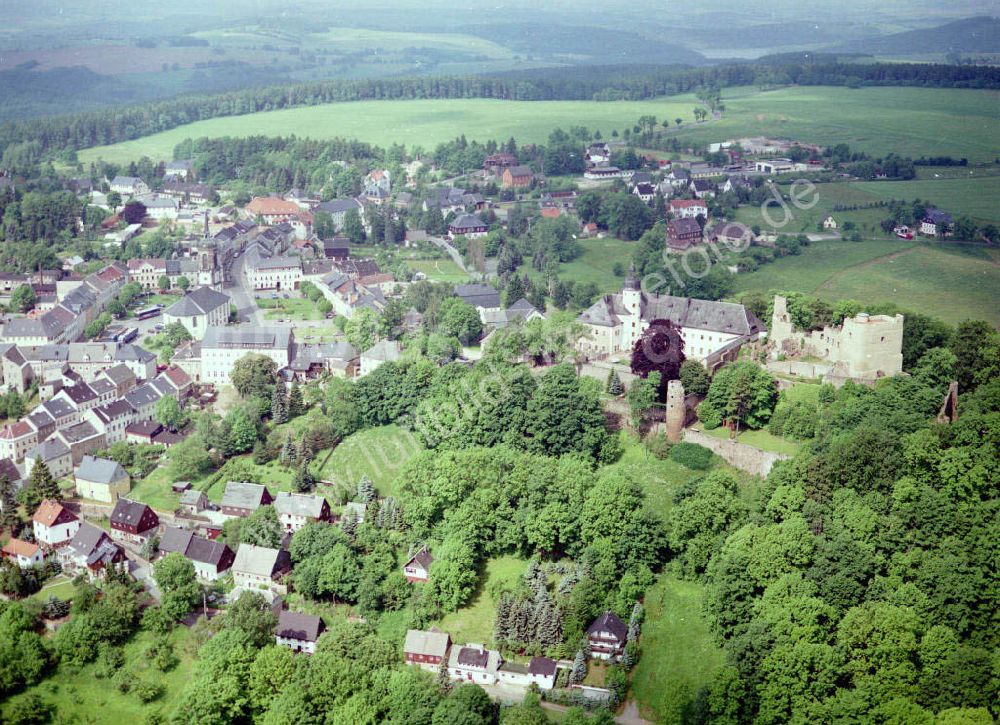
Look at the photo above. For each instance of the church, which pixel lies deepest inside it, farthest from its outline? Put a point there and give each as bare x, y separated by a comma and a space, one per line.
712, 331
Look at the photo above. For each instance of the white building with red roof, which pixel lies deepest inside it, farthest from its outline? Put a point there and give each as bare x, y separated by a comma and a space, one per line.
16, 439
23, 553
54, 524
688, 208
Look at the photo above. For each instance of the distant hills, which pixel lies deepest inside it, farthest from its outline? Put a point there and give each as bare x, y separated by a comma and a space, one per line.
971, 35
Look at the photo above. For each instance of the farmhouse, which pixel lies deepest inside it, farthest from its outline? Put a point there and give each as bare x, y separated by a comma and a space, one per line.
272, 209
210, 558
193, 501
496, 163
198, 310
936, 222
132, 521
688, 208
829, 223
468, 225
418, 568
539, 671
598, 173
474, 663
23, 553
606, 636
298, 632
54, 524
380, 353
731, 233
260, 569
709, 329
517, 177
129, 186
702, 188
426, 649
645, 191
241, 499
295, 510
683, 233
101, 479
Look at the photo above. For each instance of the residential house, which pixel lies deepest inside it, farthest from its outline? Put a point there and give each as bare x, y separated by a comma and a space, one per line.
347, 294
15, 370
539, 671
91, 551
380, 353
223, 346
426, 649
10, 471
702, 188
54, 524
936, 222
54, 453
683, 233
735, 183
474, 663
198, 310
211, 559
23, 553
338, 208
183, 169
81, 397
517, 177
418, 568
521, 311
187, 357
16, 439
188, 192
468, 225
142, 432
607, 636
273, 273
174, 381
128, 186
112, 419
272, 209
63, 414
299, 632
241, 498
496, 163
829, 223
260, 569
313, 360
101, 479
133, 521
602, 173
732, 234
160, 206
687, 208
295, 510
677, 177
141, 362
81, 438
645, 191
378, 185
481, 296
193, 502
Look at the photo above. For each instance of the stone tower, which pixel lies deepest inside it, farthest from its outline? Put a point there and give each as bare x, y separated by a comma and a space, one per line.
675, 410
632, 302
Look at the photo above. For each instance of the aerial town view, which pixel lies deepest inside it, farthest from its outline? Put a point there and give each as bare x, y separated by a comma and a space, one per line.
434, 363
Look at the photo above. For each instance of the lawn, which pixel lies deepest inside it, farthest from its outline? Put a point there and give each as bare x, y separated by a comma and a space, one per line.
413, 123
379, 453
976, 197
792, 220
439, 270
597, 262
79, 696
59, 586
291, 309
679, 655
474, 622
758, 439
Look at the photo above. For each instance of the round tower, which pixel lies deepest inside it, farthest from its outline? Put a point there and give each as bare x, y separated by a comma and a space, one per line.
632, 292
675, 410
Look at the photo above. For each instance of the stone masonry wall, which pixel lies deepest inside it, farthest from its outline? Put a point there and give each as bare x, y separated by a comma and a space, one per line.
739, 455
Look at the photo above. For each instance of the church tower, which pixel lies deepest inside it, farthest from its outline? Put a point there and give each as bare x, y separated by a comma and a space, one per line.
632, 326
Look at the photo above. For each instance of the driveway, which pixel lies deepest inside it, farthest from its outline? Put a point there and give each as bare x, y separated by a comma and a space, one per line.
142, 570
452, 252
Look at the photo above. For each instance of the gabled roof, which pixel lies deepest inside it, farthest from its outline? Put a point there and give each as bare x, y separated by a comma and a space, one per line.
199, 301
260, 560
386, 351
9, 470
249, 337
49, 450
18, 429
94, 545
57, 408
423, 558
100, 470
50, 513
467, 221
193, 547
294, 625
118, 374
16, 547
609, 622
130, 513
243, 495
114, 410
432, 643
542, 666
80, 393
299, 504
478, 295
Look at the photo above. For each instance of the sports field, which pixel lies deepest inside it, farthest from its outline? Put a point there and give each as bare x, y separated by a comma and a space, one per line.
953, 282
423, 123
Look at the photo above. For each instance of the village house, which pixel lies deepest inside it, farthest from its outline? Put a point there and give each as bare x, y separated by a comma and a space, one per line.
598, 153
517, 177
338, 209
160, 206
683, 234
13, 474
711, 330
193, 502
295, 510
260, 569
687, 208
733, 234
830, 224
188, 192
16, 439
273, 273
540, 671
211, 559
54, 453
128, 186
607, 636
474, 663
91, 551
271, 209
601, 173
521, 311
378, 354
101, 479
496, 163
426, 649
702, 188
133, 522
468, 225
241, 499
223, 346
645, 191
299, 632
481, 296
111, 419
313, 360
198, 310
183, 169
418, 568
23, 553
936, 222
377, 185
81, 438
54, 524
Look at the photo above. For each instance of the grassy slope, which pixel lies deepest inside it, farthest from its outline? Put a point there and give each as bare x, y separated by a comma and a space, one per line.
379, 453
950, 282
422, 123
973, 196
474, 622
439, 270
79, 696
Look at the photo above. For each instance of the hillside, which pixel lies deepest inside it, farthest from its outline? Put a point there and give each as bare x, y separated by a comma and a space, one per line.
971, 35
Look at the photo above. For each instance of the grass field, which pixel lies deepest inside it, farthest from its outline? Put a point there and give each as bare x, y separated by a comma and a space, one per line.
352, 40
379, 453
439, 270
474, 622
758, 439
597, 262
290, 309
976, 197
414, 123
678, 654
951, 282
79, 696
60, 586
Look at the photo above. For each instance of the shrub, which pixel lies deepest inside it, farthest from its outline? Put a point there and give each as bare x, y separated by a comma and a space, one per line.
691, 455
124, 679
659, 445
147, 691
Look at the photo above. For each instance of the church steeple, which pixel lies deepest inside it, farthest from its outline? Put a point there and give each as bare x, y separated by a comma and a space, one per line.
631, 280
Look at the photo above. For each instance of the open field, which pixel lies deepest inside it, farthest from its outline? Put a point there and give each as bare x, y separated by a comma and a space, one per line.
678, 654
439, 270
290, 309
474, 622
353, 40
379, 453
597, 262
953, 282
758, 439
974, 196
909, 121
790, 219
414, 123
79, 696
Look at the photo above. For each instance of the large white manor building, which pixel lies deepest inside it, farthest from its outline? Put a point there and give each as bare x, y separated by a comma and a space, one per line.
710, 330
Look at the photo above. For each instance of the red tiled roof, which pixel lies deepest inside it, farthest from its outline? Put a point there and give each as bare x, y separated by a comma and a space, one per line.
268, 205
16, 547
551, 213
686, 203
177, 376
49, 512
16, 430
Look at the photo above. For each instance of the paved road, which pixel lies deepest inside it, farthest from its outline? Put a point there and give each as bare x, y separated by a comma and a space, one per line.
242, 297
452, 252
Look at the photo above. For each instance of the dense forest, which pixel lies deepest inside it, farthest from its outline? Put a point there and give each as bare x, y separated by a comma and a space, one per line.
109, 126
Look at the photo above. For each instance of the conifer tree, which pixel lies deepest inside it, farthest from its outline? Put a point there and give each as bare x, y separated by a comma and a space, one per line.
615, 386
9, 518
501, 620
579, 670
295, 405
303, 481
635, 622
631, 655
366, 490
288, 453
443, 680
279, 406
41, 485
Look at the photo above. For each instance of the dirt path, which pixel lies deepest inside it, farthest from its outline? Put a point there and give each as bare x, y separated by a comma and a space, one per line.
863, 265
